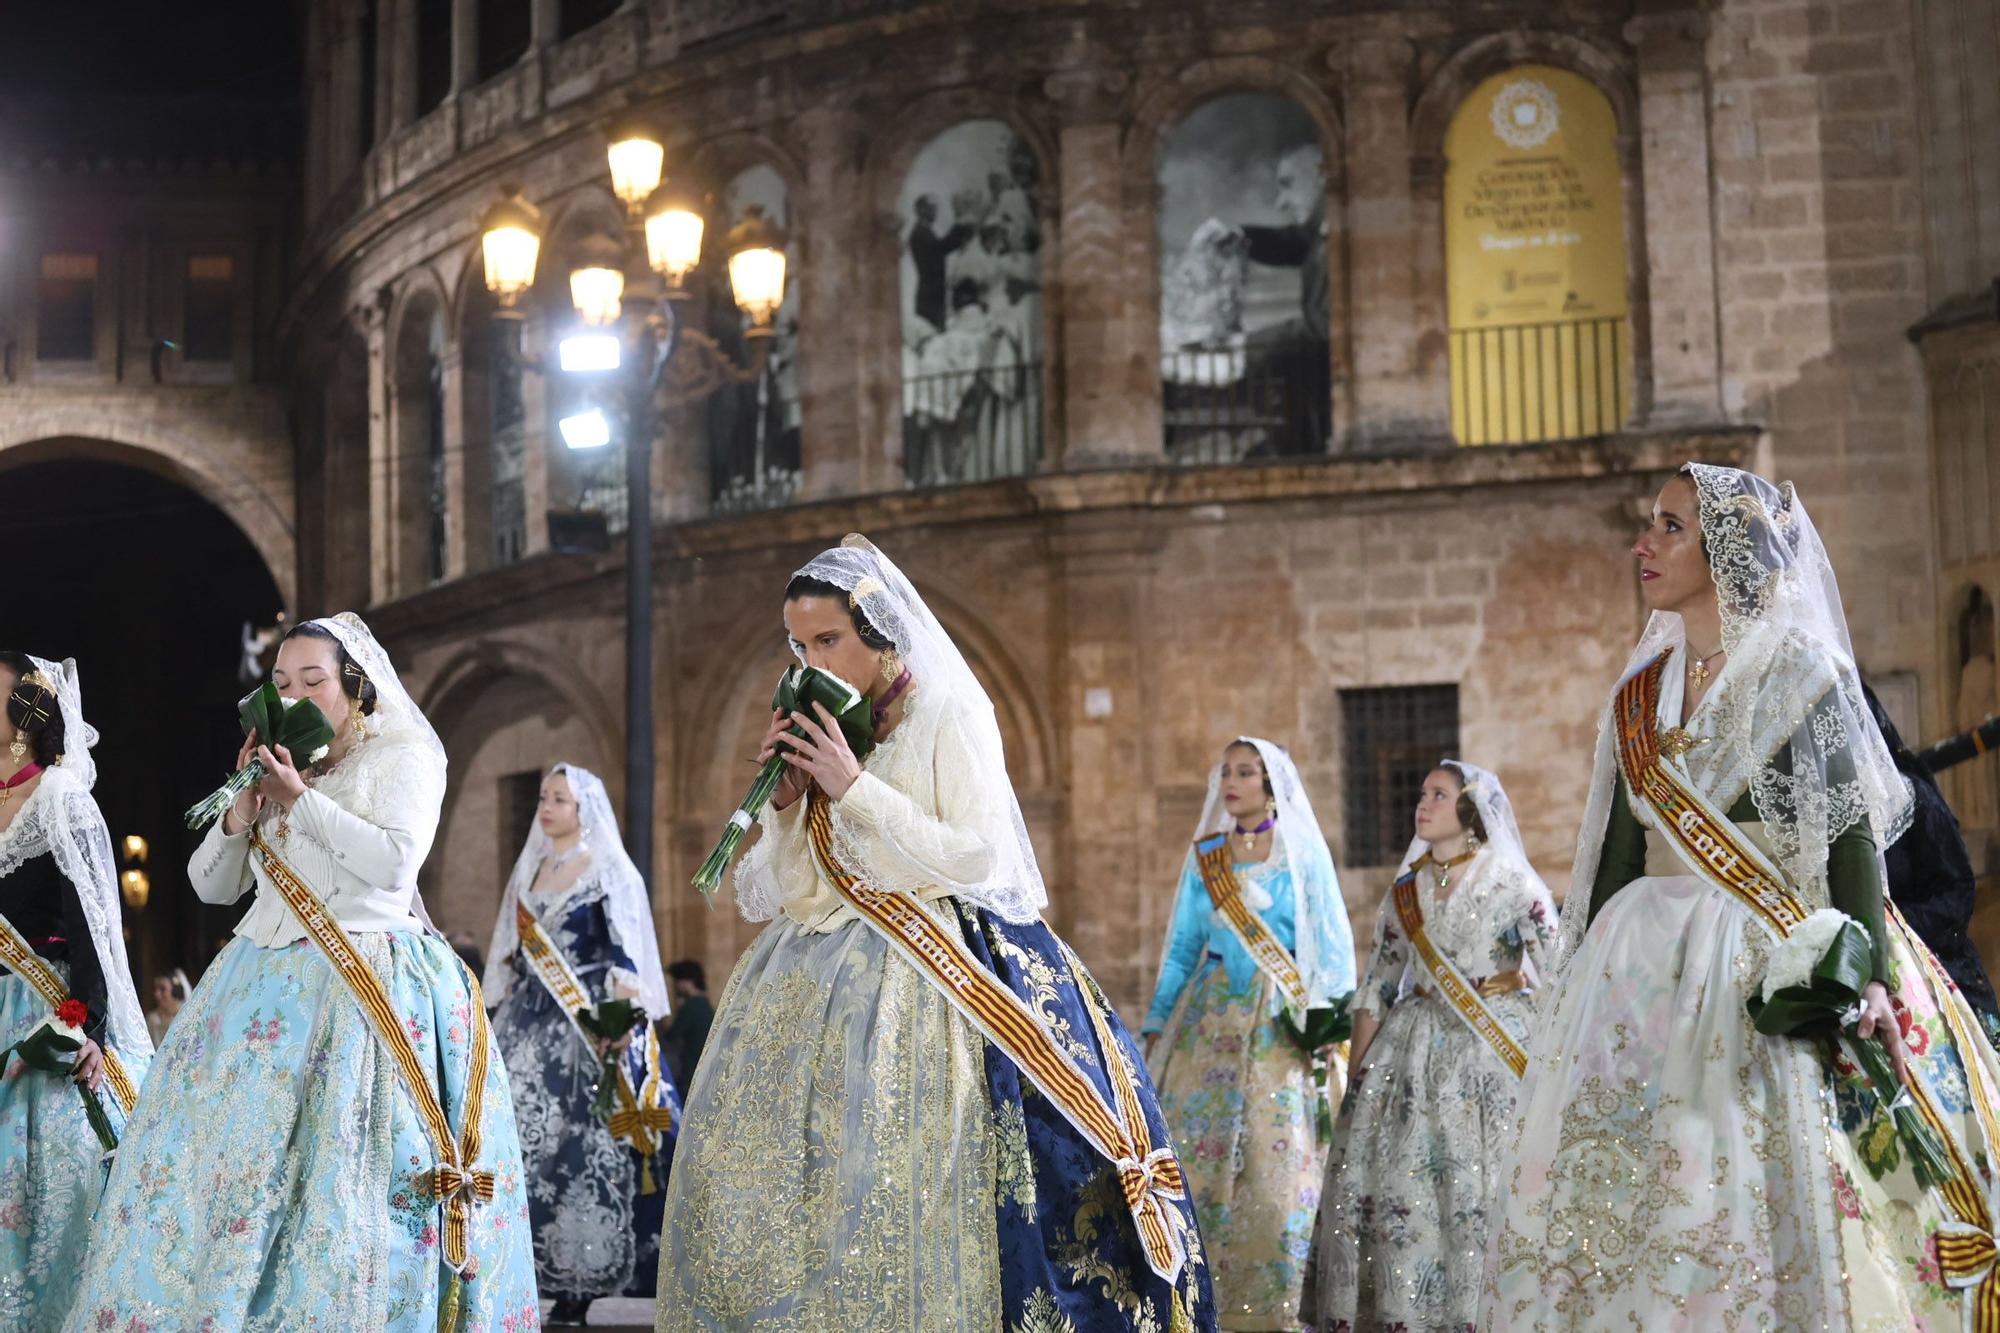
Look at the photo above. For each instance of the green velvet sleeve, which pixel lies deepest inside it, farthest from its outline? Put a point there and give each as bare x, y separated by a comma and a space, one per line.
1853, 878
1624, 856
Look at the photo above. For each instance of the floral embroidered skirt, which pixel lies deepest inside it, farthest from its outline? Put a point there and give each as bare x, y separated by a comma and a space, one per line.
50, 1172
1239, 1097
1677, 1169
856, 1157
1428, 1120
593, 1225
276, 1174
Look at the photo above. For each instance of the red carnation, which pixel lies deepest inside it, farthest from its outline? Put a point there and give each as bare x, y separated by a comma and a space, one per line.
73, 1013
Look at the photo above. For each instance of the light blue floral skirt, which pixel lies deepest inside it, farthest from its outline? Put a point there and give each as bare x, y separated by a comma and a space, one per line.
50, 1172
276, 1175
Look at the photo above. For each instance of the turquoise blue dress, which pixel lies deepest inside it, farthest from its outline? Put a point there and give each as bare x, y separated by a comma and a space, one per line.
51, 1163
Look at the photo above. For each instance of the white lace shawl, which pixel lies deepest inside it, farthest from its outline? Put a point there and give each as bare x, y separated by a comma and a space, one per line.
62, 817
924, 817
1498, 890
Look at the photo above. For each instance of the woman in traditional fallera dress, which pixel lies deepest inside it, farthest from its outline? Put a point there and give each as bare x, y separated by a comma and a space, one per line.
1676, 1167
1429, 1119
593, 1197
915, 1109
60, 938
1236, 1086
305, 1160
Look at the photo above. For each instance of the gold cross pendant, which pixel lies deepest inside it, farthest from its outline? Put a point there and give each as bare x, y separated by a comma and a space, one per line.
1699, 673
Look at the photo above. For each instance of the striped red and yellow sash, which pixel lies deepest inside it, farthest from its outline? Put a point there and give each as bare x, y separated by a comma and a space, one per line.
637, 1120
456, 1180
24, 962
1703, 834
1463, 997
1150, 1177
1968, 1254
1218, 876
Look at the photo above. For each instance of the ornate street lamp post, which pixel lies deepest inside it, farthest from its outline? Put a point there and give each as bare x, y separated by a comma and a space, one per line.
666, 226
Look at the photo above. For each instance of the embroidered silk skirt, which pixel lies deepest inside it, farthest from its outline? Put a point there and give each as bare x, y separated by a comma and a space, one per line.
594, 1229
1676, 1169
1411, 1182
50, 1172
856, 1157
276, 1173
1239, 1099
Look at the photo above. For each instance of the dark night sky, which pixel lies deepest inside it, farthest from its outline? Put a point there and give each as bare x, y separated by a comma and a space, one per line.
122, 79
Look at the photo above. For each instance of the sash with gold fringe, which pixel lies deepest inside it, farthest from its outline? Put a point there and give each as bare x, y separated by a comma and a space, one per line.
1464, 998
1218, 876
1968, 1244
456, 1181
637, 1119
24, 962
1150, 1177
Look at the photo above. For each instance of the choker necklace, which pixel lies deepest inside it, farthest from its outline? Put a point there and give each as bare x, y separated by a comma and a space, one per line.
1248, 836
1443, 869
564, 858
880, 708
25, 775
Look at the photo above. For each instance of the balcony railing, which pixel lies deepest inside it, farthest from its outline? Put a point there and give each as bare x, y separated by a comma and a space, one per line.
972, 425
1249, 401
1530, 383
753, 435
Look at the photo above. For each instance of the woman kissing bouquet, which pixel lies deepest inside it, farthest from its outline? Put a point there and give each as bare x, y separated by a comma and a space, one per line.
798, 690
51, 1046
1812, 988
296, 724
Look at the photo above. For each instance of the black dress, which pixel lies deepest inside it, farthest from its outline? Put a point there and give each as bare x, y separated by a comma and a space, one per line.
42, 905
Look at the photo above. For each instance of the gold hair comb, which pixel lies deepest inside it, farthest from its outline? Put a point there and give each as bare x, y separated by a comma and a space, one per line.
867, 587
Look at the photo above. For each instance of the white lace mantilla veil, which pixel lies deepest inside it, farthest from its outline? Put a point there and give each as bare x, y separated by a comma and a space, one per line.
944, 687
1323, 944
625, 902
1504, 864
1789, 687
402, 756
81, 844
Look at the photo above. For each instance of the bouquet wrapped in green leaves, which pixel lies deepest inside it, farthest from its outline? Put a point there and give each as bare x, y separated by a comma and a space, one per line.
1324, 1027
798, 690
51, 1047
296, 724
1813, 988
607, 1022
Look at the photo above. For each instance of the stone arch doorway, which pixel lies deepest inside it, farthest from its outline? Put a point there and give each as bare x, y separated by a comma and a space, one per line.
147, 580
503, 721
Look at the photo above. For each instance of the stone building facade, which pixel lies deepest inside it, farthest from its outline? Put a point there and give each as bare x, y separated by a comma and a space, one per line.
1150, 550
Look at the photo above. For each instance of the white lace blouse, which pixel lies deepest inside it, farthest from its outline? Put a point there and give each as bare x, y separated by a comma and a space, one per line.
357, 836
925, 817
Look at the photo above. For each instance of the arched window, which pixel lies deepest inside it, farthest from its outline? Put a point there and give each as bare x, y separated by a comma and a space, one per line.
418, 501
575, 16
970, 215
506, 27
433, 53
1535, 262
1245, 364
753, 428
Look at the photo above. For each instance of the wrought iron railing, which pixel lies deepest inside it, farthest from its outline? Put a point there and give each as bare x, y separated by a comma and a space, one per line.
753, 435
972, 425
1528, 383
1251, 401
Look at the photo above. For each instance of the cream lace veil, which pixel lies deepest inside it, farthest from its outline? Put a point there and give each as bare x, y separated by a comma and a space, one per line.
1785, 719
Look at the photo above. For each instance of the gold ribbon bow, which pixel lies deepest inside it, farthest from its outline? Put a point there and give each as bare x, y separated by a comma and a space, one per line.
1969, 1258
633, 1123
447, 1181
1150, 1185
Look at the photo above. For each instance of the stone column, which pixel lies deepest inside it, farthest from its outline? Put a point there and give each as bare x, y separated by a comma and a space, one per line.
381, 453
850, 364
1389, 397
1108, 412
399, 27
464, 45
344, 148
1679, 219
